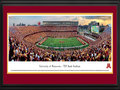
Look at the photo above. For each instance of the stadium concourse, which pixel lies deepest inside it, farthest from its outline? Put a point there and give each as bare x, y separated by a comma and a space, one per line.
23, 39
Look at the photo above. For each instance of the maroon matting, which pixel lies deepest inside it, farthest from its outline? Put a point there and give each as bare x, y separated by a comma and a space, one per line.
59, 78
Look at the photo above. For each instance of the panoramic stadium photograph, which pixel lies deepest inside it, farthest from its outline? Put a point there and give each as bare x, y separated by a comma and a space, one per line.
84, 37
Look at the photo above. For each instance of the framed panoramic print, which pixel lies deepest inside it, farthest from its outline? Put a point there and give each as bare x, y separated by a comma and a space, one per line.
60, 45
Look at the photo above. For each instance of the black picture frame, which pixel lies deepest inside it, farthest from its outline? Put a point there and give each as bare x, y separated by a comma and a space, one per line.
59, 3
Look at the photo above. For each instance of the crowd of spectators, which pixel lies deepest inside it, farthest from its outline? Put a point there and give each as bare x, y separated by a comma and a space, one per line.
20, 52
22, 46
58, 28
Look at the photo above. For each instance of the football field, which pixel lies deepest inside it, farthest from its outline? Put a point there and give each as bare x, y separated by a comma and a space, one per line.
62, 42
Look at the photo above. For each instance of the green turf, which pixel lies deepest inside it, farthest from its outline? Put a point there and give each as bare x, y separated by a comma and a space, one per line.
65, 42
62, 42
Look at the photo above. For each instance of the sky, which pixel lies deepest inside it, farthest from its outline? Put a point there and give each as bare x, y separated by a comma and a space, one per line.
83, 20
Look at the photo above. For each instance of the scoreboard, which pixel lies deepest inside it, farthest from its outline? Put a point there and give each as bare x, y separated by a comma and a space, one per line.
95, 29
